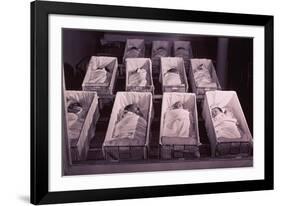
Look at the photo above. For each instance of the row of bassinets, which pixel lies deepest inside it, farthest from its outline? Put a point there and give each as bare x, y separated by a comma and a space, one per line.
175, 82
139, 150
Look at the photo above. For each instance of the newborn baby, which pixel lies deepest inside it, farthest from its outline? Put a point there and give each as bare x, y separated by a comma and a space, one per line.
131, 123
225, 124
138, 77
100, 75
203, 77
74, 118
133, 52
172, 77
182, 52
160, 52
176, 121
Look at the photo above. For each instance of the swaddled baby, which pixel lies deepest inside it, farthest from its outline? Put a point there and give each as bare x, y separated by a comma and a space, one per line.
138, 77
203, 77
74, 118
133, 52
100, 75
172, 77
177, 121
131, 125
226, 125
182, 52
160, 52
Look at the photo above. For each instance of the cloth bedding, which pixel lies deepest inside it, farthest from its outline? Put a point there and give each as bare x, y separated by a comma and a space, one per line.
172, 71
76, 119
138, 71
160, 49
134, 48
226, 126
130, 130
100, 70
182, 49
202, 74
178, 125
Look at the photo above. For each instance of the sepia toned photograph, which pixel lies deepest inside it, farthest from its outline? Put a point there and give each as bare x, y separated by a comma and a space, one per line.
146, 102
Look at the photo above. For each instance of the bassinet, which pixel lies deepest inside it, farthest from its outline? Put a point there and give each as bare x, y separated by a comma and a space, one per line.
198, 89
95, 62
159, 49
226, 146
180, 147
130, 152
80, 144
132, 64
169, 63
134, 48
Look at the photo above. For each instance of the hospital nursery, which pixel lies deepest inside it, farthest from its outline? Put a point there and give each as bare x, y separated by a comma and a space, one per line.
139, 101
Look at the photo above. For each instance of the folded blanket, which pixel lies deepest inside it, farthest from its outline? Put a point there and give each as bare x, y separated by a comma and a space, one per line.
226, 126
182, 52
99, 76
138, 77
130, 130
171, 78
203, 77
176, 123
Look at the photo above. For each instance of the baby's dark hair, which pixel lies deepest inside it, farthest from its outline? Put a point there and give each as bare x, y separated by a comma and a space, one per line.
220, 109
133, 108
173, 70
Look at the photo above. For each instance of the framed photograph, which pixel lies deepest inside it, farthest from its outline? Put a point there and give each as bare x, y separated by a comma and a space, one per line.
131, 102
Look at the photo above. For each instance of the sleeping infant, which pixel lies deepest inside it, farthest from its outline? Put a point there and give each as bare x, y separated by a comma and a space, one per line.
131, 124
133, 52
160, 52
182, 52
203, 77
74, 118
100, 75
226, 125
138, 77
172, 77
177, 121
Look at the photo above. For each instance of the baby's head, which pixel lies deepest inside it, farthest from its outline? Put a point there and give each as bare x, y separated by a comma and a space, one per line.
134, 109
216, 111
74, 107
173, 70
201, 67
177, 105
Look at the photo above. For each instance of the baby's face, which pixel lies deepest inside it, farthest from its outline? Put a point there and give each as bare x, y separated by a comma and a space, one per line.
173, 70
215, 112
135, 109
177, 105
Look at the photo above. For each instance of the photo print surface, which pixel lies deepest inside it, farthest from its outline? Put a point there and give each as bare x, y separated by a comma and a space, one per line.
141, 102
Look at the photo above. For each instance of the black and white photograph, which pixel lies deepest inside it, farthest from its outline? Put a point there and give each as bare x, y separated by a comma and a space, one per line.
145, 101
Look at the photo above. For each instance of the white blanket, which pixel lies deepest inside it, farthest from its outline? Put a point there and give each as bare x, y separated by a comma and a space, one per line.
99, 76
203, 77
138, 78
176, 123
226, 126
171, 78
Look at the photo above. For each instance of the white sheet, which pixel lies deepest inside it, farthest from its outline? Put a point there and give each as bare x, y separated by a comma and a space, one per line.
190, 136
142, 99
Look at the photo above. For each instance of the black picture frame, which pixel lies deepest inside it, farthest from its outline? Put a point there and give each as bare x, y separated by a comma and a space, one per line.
40, 108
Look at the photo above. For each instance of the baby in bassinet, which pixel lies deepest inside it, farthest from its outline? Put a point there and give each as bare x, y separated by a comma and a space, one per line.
160, 52
138, 77
75, 118
203, 77
133, 52
100, 75
177, 121
226, 125
172, 77
182, 52
130, 128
